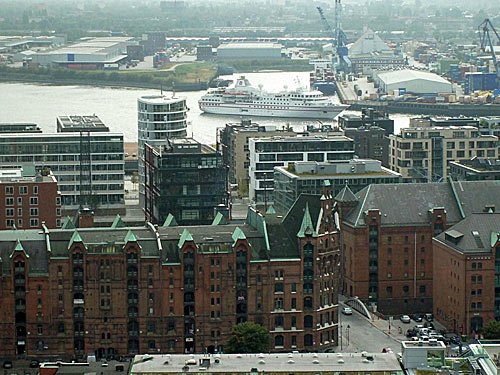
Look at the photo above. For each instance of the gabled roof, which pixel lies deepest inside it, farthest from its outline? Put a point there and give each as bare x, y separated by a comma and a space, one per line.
75, 238
219, 219
19, 248
68, 223
409, 204
185, 236
130, 237
118, 222
170, 221
475, 233
270, 210
238, 235
306, 228
368, 43
346, 195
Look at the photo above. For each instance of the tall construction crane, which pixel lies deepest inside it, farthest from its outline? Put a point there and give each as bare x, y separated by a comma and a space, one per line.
486, 41
339, 39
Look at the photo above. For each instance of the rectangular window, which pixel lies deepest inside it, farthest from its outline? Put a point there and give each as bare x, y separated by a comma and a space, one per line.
9, 212
35, 190
23, 190
34, 201
9, 201
33, 223
33, 211
9, 190
19, 211
293, 287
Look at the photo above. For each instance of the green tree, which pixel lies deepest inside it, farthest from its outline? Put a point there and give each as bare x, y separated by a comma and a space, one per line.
248, 337
492, 330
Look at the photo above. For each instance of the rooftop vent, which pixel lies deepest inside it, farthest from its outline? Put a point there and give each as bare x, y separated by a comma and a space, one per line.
291, 361
316, 362
262, 362
340, 360
261, 355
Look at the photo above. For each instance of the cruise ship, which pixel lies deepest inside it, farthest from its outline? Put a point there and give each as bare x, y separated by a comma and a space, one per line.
243, 99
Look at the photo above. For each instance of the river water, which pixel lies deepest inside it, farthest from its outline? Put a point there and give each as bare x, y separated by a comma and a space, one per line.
117, 107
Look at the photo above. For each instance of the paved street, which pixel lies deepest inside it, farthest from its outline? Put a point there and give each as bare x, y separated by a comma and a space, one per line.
361, 334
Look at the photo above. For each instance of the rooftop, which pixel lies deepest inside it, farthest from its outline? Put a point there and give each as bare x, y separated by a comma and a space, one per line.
269, 363
397, 76
79, 123
249, 45
161, 99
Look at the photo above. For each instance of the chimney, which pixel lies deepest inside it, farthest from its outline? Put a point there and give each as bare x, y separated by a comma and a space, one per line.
86, 218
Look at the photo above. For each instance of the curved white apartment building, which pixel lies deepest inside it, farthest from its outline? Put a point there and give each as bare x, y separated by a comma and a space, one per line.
159, 117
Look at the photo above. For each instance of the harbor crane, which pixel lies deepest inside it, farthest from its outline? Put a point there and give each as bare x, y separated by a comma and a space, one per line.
339, 39
486, 41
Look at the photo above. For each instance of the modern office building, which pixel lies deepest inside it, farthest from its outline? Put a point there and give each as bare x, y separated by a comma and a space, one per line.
267, 153
118, 290
424, 154
29, 199
186, 179
312, 177
387, 239
369, 117
466, 270
475, 169
160, 117
232, 141
370, 142
88, 166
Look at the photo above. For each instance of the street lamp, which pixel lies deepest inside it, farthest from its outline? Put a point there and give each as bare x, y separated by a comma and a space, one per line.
347, 331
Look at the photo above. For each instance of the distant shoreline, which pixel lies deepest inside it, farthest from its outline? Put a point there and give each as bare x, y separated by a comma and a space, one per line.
96, 83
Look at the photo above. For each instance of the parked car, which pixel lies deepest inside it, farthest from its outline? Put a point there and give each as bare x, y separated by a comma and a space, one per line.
7, 364
387, 350
405, 319
346, 311
34, 363
429, 317
412, 332
416, 317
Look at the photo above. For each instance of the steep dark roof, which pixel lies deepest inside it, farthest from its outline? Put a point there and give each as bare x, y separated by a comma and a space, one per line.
409, 204
283, 231
346, 195
33, 244
473, 234
474, 196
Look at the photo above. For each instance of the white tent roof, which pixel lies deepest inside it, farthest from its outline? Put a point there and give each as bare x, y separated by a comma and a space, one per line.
368, 43
409, 75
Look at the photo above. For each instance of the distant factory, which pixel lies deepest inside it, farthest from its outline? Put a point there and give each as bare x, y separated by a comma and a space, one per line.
412, 81
91, 53
249, 50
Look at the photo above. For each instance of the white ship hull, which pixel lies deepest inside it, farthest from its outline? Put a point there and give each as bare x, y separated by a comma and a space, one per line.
299, 112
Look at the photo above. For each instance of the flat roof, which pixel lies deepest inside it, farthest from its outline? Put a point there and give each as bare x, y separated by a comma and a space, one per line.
275, 363
78, 123
250, 45
161, 99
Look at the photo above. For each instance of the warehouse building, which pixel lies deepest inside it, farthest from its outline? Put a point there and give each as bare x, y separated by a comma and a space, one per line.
90, 53
250, 50
412, 81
